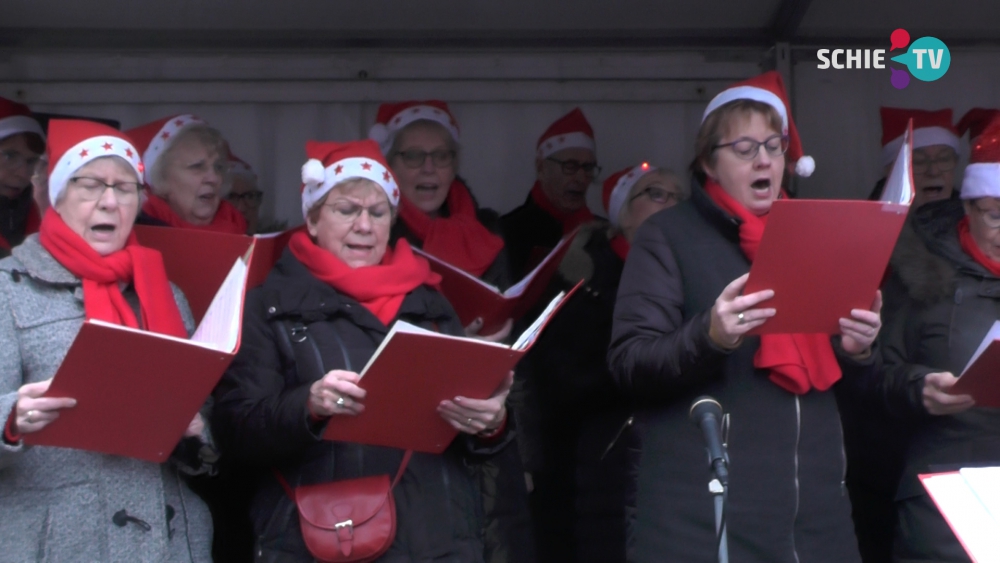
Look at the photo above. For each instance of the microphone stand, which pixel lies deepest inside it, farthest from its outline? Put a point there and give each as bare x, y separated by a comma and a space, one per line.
719, 495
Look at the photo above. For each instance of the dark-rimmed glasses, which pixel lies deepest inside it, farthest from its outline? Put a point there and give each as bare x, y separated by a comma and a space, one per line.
252, 197
416, 159
91, 189
572, 166
747, 148
658, 194
348, 212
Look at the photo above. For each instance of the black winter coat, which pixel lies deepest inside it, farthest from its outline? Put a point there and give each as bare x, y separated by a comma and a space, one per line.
528, 230
787, 501
951, 304
261, 420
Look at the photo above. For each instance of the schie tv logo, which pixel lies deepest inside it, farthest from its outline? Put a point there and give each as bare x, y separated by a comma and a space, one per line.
927, 58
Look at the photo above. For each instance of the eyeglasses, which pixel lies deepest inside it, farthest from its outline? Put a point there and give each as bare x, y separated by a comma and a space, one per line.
571, 167
747, 148
253, 197
91, 189
942, 164
991, 217
347, 212
416, 159
12, 160
657, 194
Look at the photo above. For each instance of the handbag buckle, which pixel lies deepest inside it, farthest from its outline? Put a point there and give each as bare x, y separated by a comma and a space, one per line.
349, 524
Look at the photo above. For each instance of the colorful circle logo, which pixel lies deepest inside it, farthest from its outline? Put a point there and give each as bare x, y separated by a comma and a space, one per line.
927, 59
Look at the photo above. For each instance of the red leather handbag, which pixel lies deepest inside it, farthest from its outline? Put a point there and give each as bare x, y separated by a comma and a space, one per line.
348, 521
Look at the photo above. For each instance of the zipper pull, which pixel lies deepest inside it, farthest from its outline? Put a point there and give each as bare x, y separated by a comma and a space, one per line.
625, 426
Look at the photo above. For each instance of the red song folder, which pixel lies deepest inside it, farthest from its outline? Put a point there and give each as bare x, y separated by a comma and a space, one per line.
969, 500
823, 258
414, 369
472, 297
137, 391
981, 376
198, 261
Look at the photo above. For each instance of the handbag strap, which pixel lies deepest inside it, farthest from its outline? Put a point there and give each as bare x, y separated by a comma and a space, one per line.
306, 352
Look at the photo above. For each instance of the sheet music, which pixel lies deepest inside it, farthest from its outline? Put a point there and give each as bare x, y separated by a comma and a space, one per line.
968, 517
528, 336
220, 327
899, 186
993, 334
985, 482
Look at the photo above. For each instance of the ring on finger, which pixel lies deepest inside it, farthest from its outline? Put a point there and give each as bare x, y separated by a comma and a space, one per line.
30, 416
740, 319
341, 402
468, 422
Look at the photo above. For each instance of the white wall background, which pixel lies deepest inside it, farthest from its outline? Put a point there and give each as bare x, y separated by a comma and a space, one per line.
643, 105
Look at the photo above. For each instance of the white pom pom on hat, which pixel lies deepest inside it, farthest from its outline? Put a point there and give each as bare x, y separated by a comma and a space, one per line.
805, 166
313, 172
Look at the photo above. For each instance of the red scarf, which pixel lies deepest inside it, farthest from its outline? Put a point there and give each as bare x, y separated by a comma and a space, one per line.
459, 239
380, 288
227, 218
569, 221
797, 362
34, 221
101, 276
620, 246
972, 249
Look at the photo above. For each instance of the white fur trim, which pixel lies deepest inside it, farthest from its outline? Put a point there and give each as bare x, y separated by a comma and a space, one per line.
922, 137
556, 143
346, 169
386, 134
165, 137
748, 93
805, 166
313, 172
982, 179
14, 124
85, 151
623, 187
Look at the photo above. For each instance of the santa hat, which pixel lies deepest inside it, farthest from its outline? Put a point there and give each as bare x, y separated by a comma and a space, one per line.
929, 128
392, 118
975, 121
619, 185
16, 118
768, 88
571, 131
982, 175
238, 166
332, 163
154, 138
73, 143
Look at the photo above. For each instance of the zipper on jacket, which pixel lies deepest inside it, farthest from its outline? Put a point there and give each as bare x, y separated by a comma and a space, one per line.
798, 435
618, 436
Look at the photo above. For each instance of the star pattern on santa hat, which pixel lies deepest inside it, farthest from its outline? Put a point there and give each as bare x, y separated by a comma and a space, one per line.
548, 145
395, 194
165, 135
84, 153
179, 122
398, 119
107, 146
366, 166
128, 152
562, 139
338, 169
415, 110
385, 175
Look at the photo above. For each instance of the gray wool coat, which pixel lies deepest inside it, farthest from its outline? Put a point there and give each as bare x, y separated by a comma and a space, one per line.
56, 504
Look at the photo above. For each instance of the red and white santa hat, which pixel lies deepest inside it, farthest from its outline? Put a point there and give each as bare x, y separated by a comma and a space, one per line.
975, 120
16, 118
619, 185
929, 128
73, 143
331, 163
154, 138
391, 118
769, 88
982, 175
571, 131
238, 166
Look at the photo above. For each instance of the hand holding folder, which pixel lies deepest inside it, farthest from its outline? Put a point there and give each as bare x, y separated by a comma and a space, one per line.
137, 392
981, 376
824, 258
414, 370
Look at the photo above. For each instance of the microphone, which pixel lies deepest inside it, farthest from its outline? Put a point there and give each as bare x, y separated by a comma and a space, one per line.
706, 413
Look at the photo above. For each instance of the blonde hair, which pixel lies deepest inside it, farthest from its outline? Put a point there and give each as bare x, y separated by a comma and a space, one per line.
719, 123
209, 137
351, 186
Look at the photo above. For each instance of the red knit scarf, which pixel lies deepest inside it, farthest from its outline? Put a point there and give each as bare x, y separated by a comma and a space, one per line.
569, 221
101, 276
227, 218
797, 362
972, 249
34, 221
459, 239
382, 288
620, 246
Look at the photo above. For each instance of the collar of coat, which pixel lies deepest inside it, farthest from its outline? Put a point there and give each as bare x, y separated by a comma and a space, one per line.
30, 257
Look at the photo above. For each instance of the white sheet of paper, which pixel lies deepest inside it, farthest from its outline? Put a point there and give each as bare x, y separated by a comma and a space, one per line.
528, 336
220, 326
985, 482
992, 335
899, 187
968, 516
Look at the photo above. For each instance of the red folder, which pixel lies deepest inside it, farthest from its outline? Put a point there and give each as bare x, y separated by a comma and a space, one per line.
472, 297
981, 377
198, 261
137, 391
823, 258
414, 370
966, 507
